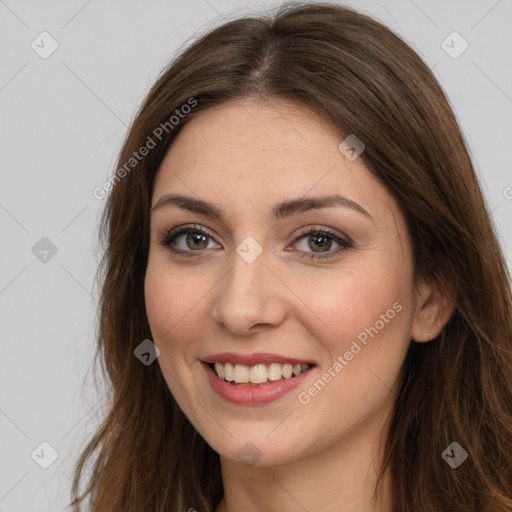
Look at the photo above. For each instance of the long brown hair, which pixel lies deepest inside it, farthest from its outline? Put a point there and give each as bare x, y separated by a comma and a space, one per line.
364, 80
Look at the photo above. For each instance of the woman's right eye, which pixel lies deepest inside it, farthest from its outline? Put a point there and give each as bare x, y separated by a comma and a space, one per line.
187, 240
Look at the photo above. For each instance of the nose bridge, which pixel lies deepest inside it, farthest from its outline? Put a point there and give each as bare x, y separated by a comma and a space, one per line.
247, 280
242, 281
247, 295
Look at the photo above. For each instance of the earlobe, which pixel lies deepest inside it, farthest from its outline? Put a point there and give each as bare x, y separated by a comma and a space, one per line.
434, 308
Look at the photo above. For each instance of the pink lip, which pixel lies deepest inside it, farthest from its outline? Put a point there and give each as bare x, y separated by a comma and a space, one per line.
252, 395
253, 359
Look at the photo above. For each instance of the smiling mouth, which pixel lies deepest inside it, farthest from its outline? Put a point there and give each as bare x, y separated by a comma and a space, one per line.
259, 374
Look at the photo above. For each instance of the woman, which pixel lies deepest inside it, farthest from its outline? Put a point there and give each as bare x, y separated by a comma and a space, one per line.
296, 225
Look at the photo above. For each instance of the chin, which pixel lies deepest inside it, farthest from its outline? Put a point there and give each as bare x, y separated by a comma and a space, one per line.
257, 444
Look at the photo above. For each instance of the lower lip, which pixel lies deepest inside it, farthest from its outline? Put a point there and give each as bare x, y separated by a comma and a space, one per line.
253, 395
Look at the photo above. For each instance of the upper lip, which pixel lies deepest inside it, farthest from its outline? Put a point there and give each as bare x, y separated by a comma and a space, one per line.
253, 359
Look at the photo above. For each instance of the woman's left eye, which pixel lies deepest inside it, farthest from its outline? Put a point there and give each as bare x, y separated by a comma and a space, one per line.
319, 239
190, 241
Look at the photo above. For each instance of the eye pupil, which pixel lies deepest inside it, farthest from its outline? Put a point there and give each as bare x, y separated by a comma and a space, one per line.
195, 237
322, 244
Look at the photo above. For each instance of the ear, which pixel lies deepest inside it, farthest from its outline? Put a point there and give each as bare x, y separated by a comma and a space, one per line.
434, 308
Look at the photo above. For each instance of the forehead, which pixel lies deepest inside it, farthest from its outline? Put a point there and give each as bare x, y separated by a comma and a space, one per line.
252, 153
252, 138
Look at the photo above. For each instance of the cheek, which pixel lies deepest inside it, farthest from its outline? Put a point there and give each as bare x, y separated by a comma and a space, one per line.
369, 319
173, 319
349, 305
161, 299
366, 319
173, 298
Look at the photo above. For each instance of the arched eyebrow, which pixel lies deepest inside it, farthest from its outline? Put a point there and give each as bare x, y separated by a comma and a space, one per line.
278, 211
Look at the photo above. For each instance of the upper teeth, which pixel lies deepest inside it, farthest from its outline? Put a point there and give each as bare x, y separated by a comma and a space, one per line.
259, 373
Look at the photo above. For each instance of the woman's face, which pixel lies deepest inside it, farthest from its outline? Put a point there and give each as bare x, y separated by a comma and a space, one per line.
275, 285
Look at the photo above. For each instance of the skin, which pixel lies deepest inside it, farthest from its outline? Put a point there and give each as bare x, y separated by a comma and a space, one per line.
243, 157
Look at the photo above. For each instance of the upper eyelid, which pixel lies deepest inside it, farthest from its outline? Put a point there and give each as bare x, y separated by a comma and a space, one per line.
322, 229
303, 231
183, 230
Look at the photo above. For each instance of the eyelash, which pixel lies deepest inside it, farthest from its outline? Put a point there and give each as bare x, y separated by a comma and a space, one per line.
167, 238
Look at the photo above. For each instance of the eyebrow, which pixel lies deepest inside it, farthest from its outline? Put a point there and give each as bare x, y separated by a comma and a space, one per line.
278, 211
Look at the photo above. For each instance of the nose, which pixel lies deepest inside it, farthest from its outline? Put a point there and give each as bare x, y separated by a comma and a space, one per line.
249, 297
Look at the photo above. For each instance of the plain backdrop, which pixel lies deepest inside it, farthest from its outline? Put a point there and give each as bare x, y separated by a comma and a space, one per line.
63, 118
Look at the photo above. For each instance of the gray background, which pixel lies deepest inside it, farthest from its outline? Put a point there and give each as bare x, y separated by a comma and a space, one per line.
63, 120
